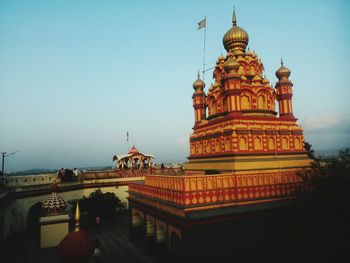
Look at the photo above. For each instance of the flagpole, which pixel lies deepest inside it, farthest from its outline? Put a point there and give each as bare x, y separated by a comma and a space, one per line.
205, 36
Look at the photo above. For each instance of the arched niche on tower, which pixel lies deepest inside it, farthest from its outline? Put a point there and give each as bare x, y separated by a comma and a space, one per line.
200, 148
217, 146
271, 143
245, 102
228, 147
261, 102
208, 147
243, 143
297, 143
257, 143
285, 143
247, 98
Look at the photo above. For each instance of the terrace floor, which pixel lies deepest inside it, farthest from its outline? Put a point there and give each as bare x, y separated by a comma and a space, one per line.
112, 234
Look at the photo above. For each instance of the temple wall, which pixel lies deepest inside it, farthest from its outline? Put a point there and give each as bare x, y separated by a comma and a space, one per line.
14, 215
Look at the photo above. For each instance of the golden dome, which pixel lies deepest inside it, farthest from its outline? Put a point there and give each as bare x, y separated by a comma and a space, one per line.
231, 64
236, 39
198, 84
282, 72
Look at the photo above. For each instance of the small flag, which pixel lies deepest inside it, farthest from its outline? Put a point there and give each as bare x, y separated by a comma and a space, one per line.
202, 23
127, 136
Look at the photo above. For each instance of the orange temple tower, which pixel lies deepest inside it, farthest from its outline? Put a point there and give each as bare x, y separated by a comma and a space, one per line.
242, 173
242, 132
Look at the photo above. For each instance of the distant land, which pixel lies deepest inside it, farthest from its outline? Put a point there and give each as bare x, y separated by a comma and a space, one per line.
50, 171
329, 152
323, 153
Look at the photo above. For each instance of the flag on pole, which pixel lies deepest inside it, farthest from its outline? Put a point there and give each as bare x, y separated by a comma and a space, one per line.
127, 136
202, 23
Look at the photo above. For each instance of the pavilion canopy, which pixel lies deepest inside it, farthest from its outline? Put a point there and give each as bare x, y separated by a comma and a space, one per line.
133, 158
119, 157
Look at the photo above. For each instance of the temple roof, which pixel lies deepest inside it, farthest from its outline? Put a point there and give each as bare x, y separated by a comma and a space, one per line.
132, 152
54, 204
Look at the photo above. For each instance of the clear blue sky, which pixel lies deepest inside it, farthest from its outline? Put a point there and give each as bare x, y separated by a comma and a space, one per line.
75, 76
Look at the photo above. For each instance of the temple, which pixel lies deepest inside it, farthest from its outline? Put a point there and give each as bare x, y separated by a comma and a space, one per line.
244, 164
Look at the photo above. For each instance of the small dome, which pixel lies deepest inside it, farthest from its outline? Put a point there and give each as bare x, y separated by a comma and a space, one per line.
55, 204
77, 247
133, 150
236, 39
198, 84
231, 64
282, 72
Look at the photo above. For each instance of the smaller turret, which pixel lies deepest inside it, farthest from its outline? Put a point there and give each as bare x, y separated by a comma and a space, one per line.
199, 100
284, 92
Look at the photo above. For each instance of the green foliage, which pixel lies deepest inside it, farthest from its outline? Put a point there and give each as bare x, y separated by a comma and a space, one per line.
100, 204
310, 151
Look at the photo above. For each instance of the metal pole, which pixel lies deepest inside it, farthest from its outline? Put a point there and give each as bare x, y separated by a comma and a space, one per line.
205, 33
3, 160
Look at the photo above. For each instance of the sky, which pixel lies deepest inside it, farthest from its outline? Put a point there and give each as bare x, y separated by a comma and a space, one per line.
76, 76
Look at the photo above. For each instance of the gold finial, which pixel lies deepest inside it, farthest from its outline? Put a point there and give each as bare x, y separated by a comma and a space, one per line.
234, 19
282, 72
77, 217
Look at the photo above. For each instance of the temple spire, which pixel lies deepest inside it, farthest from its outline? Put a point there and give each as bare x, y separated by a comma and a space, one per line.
281, 62
234, 19
198, 73
77, 218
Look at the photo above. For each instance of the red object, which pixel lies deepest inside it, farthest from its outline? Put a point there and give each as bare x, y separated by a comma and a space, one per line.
133, 150
77, 247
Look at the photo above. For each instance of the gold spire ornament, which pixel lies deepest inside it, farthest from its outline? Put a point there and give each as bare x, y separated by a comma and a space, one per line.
282, 72
198, 84
236, 39
234, 19
77, 218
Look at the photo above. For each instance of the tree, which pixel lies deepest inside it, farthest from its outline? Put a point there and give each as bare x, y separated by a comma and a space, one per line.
310, 151
323, 212
100, 204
